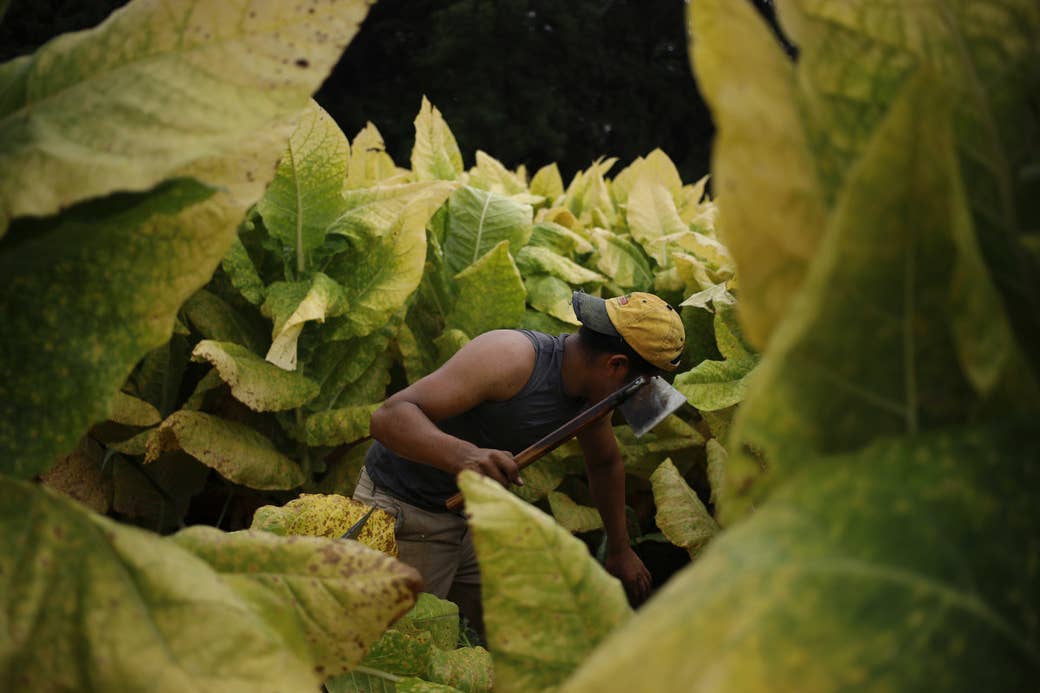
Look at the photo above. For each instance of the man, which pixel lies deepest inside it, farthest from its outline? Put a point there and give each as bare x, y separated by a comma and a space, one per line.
501, 392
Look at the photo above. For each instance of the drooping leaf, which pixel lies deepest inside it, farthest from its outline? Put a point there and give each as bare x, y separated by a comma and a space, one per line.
305, 196
559, 239
237, 451
681, 515
643, 455
329, 599
291, 305
468, 669
539, 260
339, 426
547, 603
129, 410
490, 294
260, 385
343, 470
95, 120
162, 617
213, 318
552, 296
353, 371
895, 568
329, 516
79, 476
734, 48
713, 385
386, 227
480, 220
622, 261
438, 617
710, 298
571, 516
541, 477
400, 653
435, 155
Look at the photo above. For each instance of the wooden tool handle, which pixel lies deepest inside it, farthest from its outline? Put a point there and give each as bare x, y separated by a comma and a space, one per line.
565, 432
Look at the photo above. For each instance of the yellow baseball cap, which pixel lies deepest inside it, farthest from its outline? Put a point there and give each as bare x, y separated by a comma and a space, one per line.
650, 326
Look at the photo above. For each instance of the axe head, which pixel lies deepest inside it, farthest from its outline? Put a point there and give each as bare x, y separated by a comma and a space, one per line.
650, 405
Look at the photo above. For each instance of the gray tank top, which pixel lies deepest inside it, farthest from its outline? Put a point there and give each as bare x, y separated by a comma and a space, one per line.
538, 409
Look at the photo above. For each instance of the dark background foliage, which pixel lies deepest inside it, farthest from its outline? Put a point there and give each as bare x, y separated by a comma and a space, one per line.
528, 81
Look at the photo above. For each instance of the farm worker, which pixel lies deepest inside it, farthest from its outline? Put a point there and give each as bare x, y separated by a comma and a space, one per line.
501, 392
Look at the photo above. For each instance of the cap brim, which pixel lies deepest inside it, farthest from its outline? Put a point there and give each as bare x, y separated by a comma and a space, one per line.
592, 312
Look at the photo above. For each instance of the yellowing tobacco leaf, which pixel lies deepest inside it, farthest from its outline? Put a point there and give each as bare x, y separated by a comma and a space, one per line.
330, 516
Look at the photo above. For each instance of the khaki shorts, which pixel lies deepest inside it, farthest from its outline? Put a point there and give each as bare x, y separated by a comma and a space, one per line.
438, 545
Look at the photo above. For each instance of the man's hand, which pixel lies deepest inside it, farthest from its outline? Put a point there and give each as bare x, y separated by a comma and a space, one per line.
626, 566
497, 464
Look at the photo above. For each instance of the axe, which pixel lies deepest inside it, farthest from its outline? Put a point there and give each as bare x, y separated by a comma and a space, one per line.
644, 402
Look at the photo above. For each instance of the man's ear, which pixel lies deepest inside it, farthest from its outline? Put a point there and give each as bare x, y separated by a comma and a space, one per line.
618, 364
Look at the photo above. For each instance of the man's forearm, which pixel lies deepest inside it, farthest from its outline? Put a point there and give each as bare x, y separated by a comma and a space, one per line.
607, 484
404, 428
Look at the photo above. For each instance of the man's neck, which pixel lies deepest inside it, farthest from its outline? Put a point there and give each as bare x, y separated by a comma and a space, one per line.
573, 371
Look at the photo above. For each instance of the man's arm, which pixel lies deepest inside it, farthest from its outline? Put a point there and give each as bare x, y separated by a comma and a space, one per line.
494, 366
606, 474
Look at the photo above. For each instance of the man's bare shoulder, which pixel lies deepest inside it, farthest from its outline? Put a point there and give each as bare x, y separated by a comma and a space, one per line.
504, 357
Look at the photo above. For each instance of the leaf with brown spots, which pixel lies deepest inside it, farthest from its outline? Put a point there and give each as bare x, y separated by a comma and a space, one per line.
330, 599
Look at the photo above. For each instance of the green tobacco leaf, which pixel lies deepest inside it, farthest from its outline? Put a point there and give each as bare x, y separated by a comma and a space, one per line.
92, 120
896, 568
449, 343
305, 196
818, 391
112, 273
435, 155
643, 455
238, 452
243, 273
480, 220
330, 599
369, 163
291, 305
400, 653
490, 295
343, 470
729, 336
681, 515
543, 322
716, 470
490, 174
547, 182
731, 47
711, 298
622, 261
213, 318
339, 426
386, 228
541, 477
552, 296
467, 668
353, 371
129, 410
570, 515
539, 260
162, 617
366, 680
533, 572
259, 385
559, 239
438, 617
652, 217
713, 385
